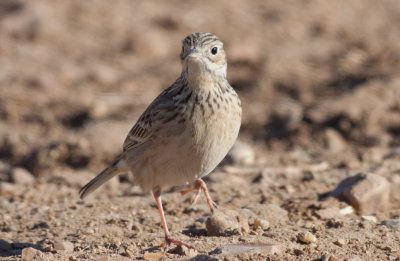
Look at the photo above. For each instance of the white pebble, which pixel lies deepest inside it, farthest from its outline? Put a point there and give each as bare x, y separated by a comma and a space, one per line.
306, 238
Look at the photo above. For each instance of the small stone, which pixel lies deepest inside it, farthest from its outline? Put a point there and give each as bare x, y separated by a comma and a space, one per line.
334, 141
104, 258
46, 245
392, 223
226, 223
366, 192
370, 218
100, 110
235, 249
64, 246
21, 176
346, 210
7, 188
306, 237
373, 155
29, 254
340, 242
298, 252
129, 253
261, 223
328, 213
241, 154
88, 231
184, 251
153, 256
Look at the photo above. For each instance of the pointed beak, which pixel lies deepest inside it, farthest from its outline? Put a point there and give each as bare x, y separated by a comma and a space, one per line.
193, 53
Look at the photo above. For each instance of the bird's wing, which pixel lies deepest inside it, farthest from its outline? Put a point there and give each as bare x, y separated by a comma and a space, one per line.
155, 119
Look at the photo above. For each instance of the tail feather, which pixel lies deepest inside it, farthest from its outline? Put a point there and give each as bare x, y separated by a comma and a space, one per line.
109, 172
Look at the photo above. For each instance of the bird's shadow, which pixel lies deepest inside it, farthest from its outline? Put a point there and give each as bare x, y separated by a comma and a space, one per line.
8, 249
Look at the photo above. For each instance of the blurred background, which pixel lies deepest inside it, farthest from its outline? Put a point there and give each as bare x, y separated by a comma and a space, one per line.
320, 87
75, 75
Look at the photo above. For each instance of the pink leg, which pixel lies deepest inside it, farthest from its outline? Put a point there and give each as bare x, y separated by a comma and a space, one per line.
168, 239
201, 186
210, 202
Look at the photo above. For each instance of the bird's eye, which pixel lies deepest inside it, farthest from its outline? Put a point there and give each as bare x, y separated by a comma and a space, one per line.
214, 50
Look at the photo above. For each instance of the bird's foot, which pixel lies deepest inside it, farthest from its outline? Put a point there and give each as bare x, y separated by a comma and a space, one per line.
168, 241
200, 186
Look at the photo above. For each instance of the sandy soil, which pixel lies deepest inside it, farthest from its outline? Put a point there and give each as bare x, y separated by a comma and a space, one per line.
320, 86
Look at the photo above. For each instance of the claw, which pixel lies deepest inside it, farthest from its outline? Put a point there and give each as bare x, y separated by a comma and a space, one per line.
168, 241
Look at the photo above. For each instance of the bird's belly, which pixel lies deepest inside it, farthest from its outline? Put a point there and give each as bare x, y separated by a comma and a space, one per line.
179, 160
173, 163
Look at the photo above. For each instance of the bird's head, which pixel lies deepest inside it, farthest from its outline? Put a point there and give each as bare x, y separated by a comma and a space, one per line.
203, 57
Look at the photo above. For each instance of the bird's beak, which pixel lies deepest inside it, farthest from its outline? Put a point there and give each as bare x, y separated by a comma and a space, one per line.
193, 53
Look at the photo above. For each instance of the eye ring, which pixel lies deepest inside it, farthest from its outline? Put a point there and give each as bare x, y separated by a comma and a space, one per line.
214, 50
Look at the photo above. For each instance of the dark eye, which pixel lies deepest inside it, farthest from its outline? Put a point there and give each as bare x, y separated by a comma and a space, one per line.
214, 50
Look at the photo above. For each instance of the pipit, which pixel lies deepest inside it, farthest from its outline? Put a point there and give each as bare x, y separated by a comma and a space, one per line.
185, 132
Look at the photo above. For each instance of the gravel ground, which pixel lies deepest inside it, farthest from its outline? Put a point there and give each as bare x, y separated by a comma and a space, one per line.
315, 174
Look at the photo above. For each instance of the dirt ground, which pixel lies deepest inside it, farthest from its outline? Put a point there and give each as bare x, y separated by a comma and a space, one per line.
320, 87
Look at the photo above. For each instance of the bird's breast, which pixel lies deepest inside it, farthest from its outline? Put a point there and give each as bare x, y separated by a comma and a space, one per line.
215, 123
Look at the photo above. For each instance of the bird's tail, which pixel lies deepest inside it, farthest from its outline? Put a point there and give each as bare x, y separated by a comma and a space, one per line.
117, 167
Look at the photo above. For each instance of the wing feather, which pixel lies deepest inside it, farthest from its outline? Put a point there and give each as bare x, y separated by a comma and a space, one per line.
161, 111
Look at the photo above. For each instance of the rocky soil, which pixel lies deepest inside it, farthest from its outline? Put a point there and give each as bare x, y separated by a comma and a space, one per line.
315, 174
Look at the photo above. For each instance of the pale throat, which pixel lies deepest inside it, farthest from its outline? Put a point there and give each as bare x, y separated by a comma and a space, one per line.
203, 79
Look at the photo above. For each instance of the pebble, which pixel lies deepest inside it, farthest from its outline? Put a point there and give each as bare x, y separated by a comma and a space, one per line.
21, 176
328, 213
184, 251
346, 210
261, 223
29, 254
64, 246
103, 258
88, 231
306, 237
235, 249
370, 218
393, 223
7, 188
153, 256
298, 252
241, 154
334, 141
227, 222
340, 242
366, 192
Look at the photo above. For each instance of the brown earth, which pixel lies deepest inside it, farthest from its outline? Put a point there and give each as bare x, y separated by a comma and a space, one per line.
320, 86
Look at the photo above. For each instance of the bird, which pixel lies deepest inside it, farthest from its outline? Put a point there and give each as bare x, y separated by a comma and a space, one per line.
185, 132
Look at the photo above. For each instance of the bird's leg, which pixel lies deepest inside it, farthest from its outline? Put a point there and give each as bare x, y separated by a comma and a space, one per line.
168, 239
196, 196
200, 186
210, 202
